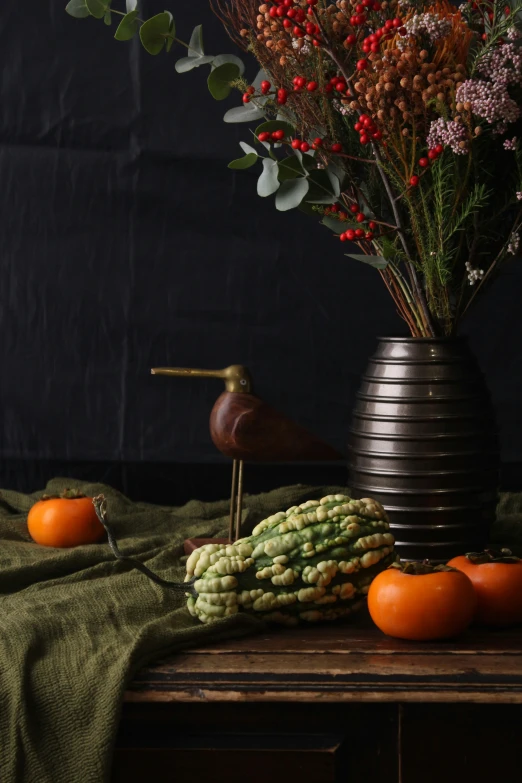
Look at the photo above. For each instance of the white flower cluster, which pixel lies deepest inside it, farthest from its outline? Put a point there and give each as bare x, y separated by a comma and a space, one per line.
450, 134
514, 242
473, 274
425, 24
519, 195
303, 48
341, 108
510, 144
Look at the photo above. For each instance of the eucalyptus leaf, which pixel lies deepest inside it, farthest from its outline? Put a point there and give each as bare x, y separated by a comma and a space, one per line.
290, 168
107, 18
244, 163
169, 43
221, 59
154, 32
268, 182
247, 149
185, 64
219, 80
322, 192
272, 125
291, 193
196, 42
131, 5
247, 113
378, 262
78, 9
128, 27
322, 199
334, 182
334, 225
97, 8
337, 169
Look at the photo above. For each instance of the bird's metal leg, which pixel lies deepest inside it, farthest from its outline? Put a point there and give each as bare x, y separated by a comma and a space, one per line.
233, 494
239, 500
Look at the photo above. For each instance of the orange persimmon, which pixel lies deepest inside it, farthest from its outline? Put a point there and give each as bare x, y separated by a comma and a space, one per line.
421, 602
497, 579
65, 521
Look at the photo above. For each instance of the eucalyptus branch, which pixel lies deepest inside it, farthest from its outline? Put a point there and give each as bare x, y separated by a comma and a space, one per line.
464, 204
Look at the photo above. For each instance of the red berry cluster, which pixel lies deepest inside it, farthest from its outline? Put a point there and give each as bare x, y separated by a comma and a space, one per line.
352, 234
248, 94
300, 82
356, 233
361, 9
337, 83
433, 154
282, 94
367, 130
303, 146
335, 209
372, 42
294, 19
285, 9
277, 135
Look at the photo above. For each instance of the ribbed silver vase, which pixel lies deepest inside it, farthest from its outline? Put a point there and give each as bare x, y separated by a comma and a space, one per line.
423, 442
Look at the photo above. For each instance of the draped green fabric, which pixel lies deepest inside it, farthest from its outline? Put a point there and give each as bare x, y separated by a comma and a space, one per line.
76, 624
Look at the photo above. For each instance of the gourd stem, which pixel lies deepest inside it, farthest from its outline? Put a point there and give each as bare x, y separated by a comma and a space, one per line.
100, 506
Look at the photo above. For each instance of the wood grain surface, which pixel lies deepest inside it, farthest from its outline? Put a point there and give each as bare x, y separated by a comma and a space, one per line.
340, 663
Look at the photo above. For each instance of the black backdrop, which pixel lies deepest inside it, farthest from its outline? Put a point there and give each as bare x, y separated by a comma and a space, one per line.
127, 243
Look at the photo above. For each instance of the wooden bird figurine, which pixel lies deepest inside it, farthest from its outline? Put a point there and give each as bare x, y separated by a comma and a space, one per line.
244, 427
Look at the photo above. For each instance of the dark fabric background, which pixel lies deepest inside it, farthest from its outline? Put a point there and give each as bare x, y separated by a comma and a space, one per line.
127, 243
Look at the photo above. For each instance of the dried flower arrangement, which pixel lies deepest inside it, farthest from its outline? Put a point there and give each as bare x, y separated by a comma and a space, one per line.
397, 123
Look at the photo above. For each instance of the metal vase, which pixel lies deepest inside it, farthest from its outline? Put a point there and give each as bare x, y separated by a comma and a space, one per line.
423, 442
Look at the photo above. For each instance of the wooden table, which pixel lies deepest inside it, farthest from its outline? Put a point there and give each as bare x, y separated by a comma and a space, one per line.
329, 703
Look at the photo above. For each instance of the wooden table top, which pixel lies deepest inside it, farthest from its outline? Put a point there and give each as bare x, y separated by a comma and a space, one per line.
340, 662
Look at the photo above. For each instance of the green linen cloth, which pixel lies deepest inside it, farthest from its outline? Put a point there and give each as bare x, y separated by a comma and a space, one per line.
76, 624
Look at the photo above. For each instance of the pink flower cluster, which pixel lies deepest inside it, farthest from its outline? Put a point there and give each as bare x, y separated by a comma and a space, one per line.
490, 99
449, 133
514, 243
510, 144
503, 65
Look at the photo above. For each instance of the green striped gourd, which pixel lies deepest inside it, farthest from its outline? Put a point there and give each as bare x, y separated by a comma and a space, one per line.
313, 562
